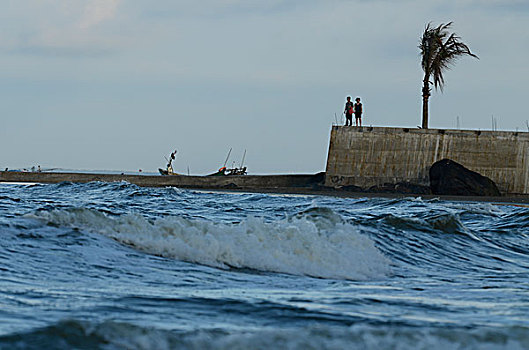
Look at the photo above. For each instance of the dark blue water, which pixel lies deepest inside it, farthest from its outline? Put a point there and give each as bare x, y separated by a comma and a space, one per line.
116, 266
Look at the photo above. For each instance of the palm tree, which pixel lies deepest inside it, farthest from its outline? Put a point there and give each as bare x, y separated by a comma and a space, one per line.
439, 51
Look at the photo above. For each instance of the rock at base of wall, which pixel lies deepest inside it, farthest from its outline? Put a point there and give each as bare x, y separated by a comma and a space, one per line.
400, 187
451, 178
410, 188
230, 186
352, 188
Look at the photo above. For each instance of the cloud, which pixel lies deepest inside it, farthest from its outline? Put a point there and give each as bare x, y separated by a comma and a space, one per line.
62, 28
97, 11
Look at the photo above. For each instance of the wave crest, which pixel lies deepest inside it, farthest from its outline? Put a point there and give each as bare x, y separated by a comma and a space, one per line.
444, 223
305, 244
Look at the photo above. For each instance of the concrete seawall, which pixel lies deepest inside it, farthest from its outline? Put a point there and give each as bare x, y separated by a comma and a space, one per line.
246, 182
369, 156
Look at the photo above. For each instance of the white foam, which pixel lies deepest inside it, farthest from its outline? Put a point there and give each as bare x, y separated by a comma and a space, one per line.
480, 208
301, 245
357, 337
117, 335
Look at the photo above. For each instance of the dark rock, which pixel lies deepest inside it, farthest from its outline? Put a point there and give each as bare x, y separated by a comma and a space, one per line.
319, 178
352, 188
318, 187
231, 185
385, 188
409, 188
451, 178
401, 188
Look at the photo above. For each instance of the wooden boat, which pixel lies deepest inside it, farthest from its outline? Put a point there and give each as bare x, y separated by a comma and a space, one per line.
229, 172
167, 172
223, 171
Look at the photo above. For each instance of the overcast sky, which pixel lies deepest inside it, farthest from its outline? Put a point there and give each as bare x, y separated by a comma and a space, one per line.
118, 84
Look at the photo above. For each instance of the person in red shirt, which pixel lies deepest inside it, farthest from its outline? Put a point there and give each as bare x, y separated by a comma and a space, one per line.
349, 109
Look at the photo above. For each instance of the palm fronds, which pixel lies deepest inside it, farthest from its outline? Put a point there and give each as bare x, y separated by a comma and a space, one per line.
439, 50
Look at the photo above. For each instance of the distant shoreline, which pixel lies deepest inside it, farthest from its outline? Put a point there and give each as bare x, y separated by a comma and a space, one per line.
295, 184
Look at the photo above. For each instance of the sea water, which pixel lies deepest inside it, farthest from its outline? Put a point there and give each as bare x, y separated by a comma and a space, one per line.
116, 266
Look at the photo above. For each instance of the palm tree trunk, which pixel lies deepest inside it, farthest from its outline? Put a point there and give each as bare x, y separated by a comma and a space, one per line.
425, 98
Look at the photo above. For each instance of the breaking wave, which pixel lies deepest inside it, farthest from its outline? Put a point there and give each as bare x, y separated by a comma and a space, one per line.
316, 242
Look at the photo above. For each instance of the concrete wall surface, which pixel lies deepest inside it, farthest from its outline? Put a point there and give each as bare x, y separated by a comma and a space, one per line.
368, 156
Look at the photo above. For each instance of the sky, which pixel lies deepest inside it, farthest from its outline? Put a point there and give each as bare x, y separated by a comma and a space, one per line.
119, 84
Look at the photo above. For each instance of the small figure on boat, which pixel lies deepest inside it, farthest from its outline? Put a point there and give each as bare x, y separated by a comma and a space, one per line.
169, 166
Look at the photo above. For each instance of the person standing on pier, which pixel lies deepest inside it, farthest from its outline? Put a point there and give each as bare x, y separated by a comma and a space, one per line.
349, 109
358, 112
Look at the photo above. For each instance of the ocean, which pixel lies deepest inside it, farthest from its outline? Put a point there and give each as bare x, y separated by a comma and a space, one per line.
117, 266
